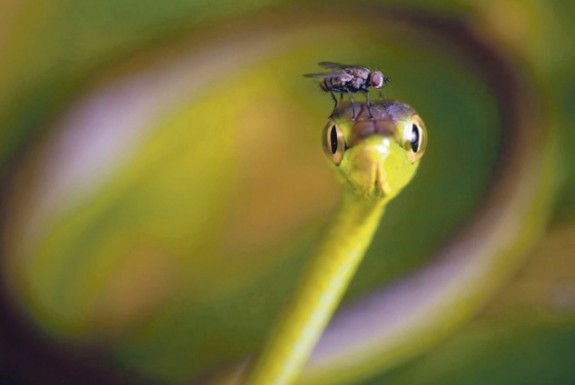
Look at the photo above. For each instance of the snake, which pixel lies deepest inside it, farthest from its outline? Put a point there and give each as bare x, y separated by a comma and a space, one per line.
409, 315
374, 155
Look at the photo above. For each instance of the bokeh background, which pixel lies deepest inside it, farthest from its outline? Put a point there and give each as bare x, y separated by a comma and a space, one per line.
162, 181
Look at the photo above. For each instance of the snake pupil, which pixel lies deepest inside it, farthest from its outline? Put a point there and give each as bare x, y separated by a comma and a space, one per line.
414, 142
333, 140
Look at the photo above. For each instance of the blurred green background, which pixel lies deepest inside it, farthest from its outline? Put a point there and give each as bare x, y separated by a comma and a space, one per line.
163, 179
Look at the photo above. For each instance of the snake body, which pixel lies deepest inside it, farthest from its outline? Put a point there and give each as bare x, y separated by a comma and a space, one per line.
375, 155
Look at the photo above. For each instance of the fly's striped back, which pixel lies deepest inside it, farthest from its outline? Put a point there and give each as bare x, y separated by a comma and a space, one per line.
337, 84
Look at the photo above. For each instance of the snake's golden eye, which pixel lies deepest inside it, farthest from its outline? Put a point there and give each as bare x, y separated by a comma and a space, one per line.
333, 142
415, 138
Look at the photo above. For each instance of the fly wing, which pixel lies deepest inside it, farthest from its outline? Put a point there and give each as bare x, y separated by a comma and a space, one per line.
325, 75
333, 65
352, 69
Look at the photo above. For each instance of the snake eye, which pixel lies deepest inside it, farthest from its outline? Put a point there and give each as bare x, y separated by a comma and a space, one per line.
416, 138
415, 141
333, 142
333, 139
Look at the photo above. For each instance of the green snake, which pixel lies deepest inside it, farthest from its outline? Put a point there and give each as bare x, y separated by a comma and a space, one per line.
375, 156
412, 314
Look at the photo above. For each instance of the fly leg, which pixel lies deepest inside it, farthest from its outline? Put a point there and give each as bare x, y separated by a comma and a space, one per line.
366, 93
352, 106
334, 99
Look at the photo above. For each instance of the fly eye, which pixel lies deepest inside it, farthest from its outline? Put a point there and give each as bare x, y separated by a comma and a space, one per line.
333, 142
377, 79
415, 138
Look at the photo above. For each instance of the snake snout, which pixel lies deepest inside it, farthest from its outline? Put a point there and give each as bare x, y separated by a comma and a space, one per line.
369, 174
381, 186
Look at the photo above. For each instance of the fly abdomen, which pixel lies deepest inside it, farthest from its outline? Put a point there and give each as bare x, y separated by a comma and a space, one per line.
326, 84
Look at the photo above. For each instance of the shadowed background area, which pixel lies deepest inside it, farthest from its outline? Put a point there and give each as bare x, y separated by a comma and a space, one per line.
162, 180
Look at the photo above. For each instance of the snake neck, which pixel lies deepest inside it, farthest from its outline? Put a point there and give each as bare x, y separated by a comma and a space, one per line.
351, 228
326, 277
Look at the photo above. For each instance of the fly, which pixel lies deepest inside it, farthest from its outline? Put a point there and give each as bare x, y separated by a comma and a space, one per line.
349, 79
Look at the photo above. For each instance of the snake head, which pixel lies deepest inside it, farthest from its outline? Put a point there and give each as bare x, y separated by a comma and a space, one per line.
377, 153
